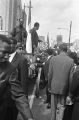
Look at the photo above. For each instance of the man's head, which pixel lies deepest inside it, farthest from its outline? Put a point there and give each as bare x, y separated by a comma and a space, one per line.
21, 22
15, 46
13, 43
19, 47
36, 26
63, 47
50, 51
5, 48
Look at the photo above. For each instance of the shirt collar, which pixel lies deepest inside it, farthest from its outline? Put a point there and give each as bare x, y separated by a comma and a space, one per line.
11, 56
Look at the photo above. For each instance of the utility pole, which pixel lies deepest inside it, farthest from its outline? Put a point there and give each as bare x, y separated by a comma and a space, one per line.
24, 15
29, 14
70, 32
29, 42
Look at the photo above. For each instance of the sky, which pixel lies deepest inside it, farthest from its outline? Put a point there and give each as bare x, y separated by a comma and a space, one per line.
55, 14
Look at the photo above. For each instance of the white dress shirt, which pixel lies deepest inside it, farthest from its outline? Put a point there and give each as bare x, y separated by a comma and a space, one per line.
11, 56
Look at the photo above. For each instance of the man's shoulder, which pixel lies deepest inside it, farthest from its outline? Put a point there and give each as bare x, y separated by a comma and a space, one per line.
9, 67
52, 58
70, 59
55, 57
21, 57
32, 30
65, 57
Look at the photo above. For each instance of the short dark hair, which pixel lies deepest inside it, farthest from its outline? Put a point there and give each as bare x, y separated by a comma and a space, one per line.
36, 24
63, 47
50, 51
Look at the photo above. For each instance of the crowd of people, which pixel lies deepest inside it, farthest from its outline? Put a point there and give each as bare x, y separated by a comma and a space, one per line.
13, 95
60, 72
14, 72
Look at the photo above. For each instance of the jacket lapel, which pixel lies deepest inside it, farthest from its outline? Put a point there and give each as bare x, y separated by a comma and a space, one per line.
15, 58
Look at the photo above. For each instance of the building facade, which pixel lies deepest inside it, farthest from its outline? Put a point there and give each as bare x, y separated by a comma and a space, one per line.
15, 12
59, 39
4, 15
11, 11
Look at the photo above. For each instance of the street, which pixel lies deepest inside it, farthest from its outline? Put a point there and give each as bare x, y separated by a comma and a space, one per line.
39, 109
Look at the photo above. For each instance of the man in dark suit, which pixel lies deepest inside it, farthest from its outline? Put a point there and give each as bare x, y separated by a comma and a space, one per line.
34, 36
58, 77
21, 63
10, 88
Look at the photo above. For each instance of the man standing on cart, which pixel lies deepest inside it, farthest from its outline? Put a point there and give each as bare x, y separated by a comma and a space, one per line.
34, 37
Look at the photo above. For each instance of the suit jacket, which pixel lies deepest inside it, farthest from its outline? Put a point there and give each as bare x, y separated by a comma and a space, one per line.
21, 63
10, 89
46, 68
59, 71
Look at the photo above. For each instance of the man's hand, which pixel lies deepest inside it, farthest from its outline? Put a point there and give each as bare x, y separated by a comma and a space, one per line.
68, 101
32, 66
